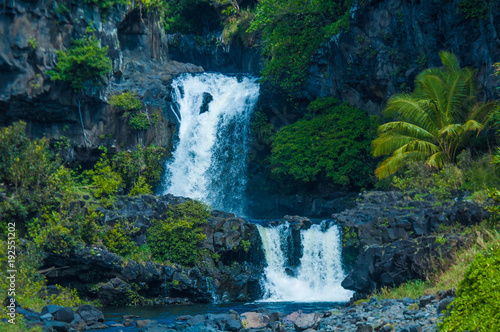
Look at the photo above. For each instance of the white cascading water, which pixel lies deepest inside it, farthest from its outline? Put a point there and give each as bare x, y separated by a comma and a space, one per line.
209, 161
319, 275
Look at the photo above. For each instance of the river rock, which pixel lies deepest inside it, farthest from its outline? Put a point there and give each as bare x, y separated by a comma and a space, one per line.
307, 321
78, 324
46, 317
56, 326
254, 320
90, 314
50, 309
142, 323
64, 315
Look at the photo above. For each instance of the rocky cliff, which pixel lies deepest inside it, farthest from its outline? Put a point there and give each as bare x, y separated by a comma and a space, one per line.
391, 41
33, 32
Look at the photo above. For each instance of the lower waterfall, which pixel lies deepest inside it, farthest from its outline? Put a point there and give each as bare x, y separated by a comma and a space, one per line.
209, 161
319, 274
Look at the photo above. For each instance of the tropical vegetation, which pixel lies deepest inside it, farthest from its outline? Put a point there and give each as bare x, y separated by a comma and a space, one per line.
434, 122
83, 66
325, 146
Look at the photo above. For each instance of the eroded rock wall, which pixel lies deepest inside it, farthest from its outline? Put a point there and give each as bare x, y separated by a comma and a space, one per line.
32, 33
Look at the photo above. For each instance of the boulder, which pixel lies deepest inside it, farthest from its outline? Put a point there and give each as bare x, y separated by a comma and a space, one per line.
254, 320
54, 326
64, 315
307, 321
142, 323
90, 314
50, 309
78, 324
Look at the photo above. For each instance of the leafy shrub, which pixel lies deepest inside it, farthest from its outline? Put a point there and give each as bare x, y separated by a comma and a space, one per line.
476, 306
131, 107
66, 297
140, 187
86, 61
117, 239
475, 8
176, 239
146, 162
333, 146
29, 171
106, 4
126, 102
139, 121
51, 232
105, 180
292, 31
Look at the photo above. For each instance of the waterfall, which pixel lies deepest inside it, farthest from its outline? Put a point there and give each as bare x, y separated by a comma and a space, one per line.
209, 161
319, 274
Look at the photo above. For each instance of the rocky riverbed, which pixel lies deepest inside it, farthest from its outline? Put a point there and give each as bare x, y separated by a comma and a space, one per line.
400, 315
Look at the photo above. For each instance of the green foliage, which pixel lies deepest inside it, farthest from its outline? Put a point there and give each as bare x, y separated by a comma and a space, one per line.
140, 121
262, 129
66, 297
412, 289
333, 146
131, 107
433, 122
475, 8
28, 281
106, 4
176, 239
126, 102
183, 16
476, 306
32, 43
245, 244
237, 25
86, 61
117, 239
140, 187
106, 181
292, 31
475, 175
148, 163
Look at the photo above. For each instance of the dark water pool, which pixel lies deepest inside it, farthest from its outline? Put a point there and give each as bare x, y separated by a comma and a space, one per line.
166, 314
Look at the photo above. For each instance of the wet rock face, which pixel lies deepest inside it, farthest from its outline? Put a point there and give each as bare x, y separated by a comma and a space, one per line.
391, 236
391, 41
212, 54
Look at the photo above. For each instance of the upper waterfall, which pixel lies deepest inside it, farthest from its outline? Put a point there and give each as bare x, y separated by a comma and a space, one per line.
209, 160
319, 274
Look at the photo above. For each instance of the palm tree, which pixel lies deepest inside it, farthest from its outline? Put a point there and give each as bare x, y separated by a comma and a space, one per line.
434, 121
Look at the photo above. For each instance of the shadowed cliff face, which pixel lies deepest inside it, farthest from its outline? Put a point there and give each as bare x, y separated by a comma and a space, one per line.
33, 32
391, 41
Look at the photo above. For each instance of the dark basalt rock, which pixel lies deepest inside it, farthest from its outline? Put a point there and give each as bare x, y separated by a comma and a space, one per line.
391, 236
50, 109
234, 277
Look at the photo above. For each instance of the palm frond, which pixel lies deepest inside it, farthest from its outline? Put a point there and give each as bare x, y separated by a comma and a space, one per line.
392, 164
437, 160
387, 143
411, 110
398, 144
406, 128
455, 96
450, 61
